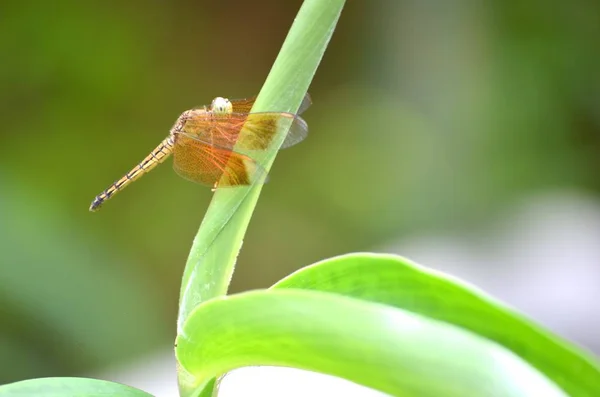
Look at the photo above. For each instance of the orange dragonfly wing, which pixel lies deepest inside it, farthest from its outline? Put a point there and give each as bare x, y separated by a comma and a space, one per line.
259, 129
245, 105
203, 151
203, 163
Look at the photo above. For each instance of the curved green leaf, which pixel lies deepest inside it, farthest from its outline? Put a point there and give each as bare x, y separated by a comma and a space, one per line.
388, 349
65, 387
395, 281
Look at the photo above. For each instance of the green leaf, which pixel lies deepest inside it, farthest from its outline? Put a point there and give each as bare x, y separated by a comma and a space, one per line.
215, 248
395, 281
382, 347
65, 387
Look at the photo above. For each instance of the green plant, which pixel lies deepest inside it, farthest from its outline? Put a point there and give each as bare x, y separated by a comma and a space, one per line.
377, 320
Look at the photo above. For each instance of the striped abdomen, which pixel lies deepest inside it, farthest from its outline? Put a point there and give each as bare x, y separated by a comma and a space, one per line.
156, 157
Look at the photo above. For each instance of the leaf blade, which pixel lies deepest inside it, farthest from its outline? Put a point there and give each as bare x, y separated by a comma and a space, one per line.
395, 281
388, 349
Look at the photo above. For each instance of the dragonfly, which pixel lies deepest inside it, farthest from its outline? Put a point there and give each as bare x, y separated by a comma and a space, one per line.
216, 145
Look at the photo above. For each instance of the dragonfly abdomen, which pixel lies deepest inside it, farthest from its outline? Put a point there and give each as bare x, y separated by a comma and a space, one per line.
157, 156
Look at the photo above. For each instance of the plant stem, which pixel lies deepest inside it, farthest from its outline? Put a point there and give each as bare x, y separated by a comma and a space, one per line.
212, 258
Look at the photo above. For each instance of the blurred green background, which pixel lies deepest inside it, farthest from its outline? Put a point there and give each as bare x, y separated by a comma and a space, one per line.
428, 116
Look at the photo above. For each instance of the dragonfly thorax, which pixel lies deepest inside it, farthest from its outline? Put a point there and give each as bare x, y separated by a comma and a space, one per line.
221, 106
178, 126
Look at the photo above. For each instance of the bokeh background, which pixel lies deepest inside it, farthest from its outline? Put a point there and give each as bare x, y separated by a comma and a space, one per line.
462, 134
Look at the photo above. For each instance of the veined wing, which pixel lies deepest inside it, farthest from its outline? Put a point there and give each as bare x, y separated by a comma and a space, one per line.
207, 164
245, 105
253, 131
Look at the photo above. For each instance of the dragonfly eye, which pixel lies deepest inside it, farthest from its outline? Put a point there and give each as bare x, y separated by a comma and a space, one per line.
221, 106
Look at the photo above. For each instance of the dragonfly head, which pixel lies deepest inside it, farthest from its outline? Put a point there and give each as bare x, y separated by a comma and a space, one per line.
221, 106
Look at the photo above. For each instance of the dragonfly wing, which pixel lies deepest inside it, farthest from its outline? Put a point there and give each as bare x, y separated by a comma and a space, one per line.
306, 102
260, 129
245, 105
254, 131
203, 163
